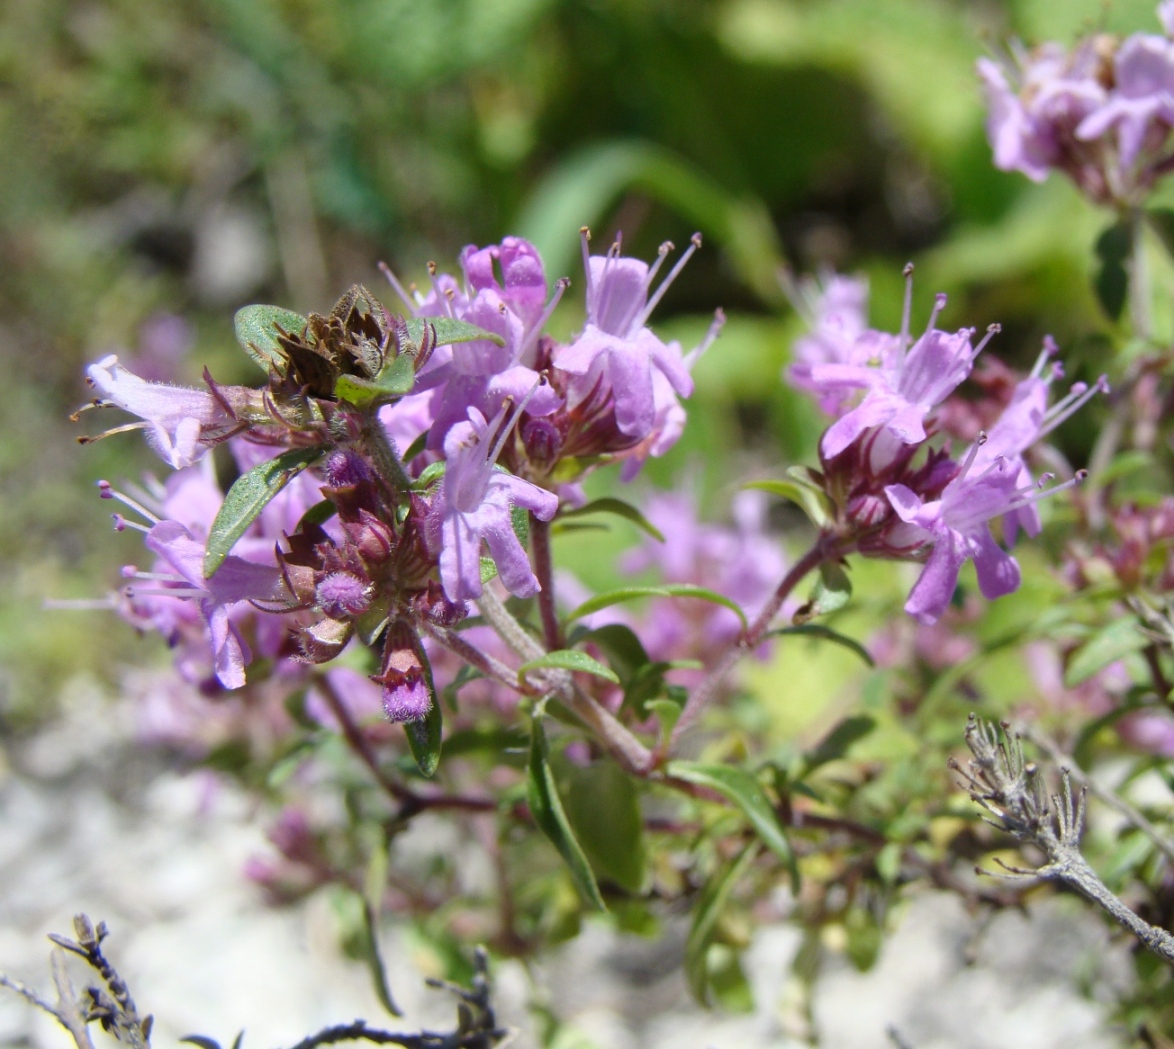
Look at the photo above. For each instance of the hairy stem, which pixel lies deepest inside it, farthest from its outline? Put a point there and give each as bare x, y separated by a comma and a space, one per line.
544, 570
823, 550
621, 744
382, 452
492, 668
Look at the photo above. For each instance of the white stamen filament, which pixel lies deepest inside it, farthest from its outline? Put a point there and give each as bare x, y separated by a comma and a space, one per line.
499, 444
968, 462
397, 287
661, 254
121, 524
584, 241
642, 317
179, 591
533, 334
991, 332
906, 312
109, 492
715, 329
1077, 398
441, 297
81, 604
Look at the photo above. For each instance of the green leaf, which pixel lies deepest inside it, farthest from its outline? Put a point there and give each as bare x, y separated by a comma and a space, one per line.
568, 659
836, 743
256, 330
425, 735
604, 809
1107, 645
449, 330
1111, 282
831, 592
634, 593
618, 507
624, 650
395, 379
488, 569
709, 909
552, 819
319, 513
415, 448
248, 496
741, 789
359, 939
825, 633
812, 502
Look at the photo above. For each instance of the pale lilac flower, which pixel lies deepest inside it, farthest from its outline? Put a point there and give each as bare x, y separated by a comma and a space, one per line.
669, 414
181, 422
957, 530
1032, 126
836, 313
742, 563
901, 392
1142, 98
234, 582
616, 351
1026, 420
474, 504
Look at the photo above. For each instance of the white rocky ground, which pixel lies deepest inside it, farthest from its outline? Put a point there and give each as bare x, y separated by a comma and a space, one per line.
85, 824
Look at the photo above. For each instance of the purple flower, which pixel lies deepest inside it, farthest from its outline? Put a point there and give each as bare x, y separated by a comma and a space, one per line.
1032, 128
1142, 97
474, 504
1026, 420
235, 581
902, 392
956, 529
836, 312
616, 351
181, 422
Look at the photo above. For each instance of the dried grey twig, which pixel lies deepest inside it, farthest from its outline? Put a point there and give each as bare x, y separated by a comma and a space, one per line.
112, 1006
477, 1026
109, 1003
1012, 790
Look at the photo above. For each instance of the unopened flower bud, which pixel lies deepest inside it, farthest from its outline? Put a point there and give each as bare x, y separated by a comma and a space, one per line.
343, 595
345, 468
372, 538
324, 640
405, 676
542, 440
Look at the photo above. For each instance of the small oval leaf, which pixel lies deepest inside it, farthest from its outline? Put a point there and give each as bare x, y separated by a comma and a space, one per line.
827, 634
248, 496
634, 593
449, 330
618, 507
741, 789
569, 659
552, 819
256, 330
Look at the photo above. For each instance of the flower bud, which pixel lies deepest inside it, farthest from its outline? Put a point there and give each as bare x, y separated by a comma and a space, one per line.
543, 442
372, 538
405, 676
345, 468
324, 640
343, 595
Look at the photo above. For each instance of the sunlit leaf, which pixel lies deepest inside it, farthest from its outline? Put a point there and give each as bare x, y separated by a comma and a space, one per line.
248, 496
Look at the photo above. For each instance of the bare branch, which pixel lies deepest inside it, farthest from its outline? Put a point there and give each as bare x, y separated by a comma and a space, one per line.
1114, 801
1011, 790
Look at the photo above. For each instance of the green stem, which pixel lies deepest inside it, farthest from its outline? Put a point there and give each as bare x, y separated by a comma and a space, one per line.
382, 452
544, 570
825, 549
